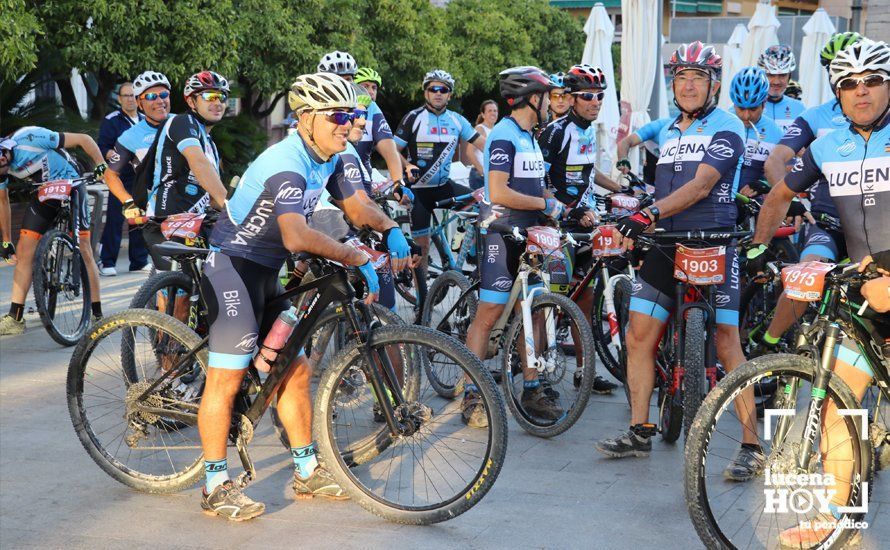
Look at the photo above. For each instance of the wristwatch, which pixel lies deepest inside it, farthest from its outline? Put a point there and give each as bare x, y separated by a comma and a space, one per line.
654, 213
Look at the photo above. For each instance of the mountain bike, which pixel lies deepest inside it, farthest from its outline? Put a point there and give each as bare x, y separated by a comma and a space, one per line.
420, 465
802, 449
61, 284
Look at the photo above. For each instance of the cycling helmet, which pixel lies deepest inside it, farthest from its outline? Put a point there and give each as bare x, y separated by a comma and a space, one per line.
367, 74
362, 98
438, 75
205, 80
320, 91
836, 43
794, 90
147, 80
865, 55
749, 88
777, 59
7, 144
585, 77
696, 55
337, 62
559, 79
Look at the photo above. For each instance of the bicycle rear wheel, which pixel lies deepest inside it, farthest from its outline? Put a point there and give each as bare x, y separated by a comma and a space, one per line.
450, 307
437, 468
61, 287
153, 444
693, 366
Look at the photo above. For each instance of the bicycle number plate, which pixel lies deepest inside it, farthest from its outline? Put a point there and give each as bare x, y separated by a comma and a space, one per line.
700, 266
185, 226
603, 245
378, 258
544, 240
624, 204
56, 190
804, 282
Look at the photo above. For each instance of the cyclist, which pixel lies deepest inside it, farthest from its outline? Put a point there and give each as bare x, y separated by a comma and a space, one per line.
794, 91
778, 62
568, 145
749, 91
186, 165
264, 221
514, 187
696, 178
824, 240
430, 134
40, 155
855, 163
377, 133
561, 98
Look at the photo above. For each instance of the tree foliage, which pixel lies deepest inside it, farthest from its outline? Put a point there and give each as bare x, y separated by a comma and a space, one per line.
18, 41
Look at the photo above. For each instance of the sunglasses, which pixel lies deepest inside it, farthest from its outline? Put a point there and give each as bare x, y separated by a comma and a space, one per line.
214, 96
590, 96
870, 81
151, 96
340, 117
439, 89
360, 113
557, 95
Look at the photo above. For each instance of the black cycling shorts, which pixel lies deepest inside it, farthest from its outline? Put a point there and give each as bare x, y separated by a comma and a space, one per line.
425, 199
40, 216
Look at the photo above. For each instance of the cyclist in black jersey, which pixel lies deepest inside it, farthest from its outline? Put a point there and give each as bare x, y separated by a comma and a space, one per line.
561, 99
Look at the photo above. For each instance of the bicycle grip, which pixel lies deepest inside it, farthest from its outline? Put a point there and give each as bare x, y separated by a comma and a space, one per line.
140, 220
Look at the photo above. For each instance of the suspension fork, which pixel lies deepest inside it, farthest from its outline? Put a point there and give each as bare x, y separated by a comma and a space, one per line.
820, 383
789, 395
74, 225
710, 338
533, 360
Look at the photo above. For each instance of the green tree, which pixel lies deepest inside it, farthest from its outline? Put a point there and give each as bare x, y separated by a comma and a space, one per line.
18, 41
557, 38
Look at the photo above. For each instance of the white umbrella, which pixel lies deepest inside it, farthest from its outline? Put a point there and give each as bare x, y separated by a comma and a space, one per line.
640, 59
762, 34
732, 63
813, 77
598, 52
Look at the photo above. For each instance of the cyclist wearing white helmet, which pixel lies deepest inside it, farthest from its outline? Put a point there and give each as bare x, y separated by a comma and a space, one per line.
339, 63
265, 221
778, 62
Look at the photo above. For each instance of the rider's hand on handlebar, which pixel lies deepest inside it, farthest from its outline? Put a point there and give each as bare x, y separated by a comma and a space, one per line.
756, 256
748, 192
877, 293
7, 252
99, 170
131, 211
412, 172
588, 219
553, 208
623, 166
405, 195
630, 227
366, 270
399, 250
881, 261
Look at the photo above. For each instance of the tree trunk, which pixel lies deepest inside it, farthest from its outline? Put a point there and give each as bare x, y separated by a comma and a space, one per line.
259, 113
105, 84
67, 92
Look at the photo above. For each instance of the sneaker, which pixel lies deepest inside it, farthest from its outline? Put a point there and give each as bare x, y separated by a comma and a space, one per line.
810, 536
10, 327
539, 403
603, 386
637, 441
747, 463
548, 389
228, 501
144, 269
472, 411
320, 484
95, 318
109, 271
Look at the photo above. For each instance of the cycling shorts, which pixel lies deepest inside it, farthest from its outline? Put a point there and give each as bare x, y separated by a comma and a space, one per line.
654, 290
499, 266
237, 293
425, 199
40, 216
826, 243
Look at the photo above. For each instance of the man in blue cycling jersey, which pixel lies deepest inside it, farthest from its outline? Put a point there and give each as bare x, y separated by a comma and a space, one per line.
856, 165
514, 188
778, 62
749, 91
39, 155
264, 221
696, 179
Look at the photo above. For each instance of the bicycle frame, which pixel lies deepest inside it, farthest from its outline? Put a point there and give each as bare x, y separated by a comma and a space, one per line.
438, 234
601, 269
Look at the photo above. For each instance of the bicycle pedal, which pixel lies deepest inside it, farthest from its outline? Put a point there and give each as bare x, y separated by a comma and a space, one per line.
243, 479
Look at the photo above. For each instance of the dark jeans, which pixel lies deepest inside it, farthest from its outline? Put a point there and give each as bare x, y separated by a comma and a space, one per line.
112, 234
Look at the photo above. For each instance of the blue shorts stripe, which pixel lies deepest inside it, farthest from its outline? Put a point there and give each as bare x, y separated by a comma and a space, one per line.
853, 358
649, 308
228, 361
818, 250
494, 296
421, 232
727, 317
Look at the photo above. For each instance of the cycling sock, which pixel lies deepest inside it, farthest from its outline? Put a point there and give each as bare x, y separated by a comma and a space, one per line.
531, 384
305, 461
216, 472
17, 311
97, 309
771, 340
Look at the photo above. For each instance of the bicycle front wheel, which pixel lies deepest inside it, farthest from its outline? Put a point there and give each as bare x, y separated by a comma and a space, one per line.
693, 366
435, 468
61, 287
756, 513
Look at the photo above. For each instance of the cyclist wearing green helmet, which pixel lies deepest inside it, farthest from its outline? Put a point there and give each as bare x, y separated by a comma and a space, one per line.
370, 80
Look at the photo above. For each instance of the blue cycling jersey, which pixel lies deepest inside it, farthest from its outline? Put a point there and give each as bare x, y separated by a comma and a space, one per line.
759, 143
717, 140
132, 145
431, 140
288, 177
353, 172
648, 134
515, 151
857, 173
376, 129
784, 111
39, 156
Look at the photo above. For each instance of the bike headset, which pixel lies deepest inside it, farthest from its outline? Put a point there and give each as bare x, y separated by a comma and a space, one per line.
518, 84
702, 58
320, 92
201, 82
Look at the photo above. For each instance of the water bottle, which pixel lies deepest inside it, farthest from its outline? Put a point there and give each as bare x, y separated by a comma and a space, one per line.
458, 239
275, 340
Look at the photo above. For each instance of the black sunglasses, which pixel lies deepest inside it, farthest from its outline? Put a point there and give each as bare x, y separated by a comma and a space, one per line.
439, 89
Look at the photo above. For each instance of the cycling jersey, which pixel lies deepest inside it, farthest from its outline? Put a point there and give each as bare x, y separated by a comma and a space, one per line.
39, 155
431, 140
568, 145
825, 243
783, 111
286, 178
759, 143
648, 134
132, 145
814, 123
175, 188
858, 176
376, 130
717, 140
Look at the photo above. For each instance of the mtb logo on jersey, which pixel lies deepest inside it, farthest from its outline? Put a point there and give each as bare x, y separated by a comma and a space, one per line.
289, 195
499, 157
721, 149
793, 131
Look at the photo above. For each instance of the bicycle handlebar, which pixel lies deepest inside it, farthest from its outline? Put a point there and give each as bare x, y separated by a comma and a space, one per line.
449, 202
